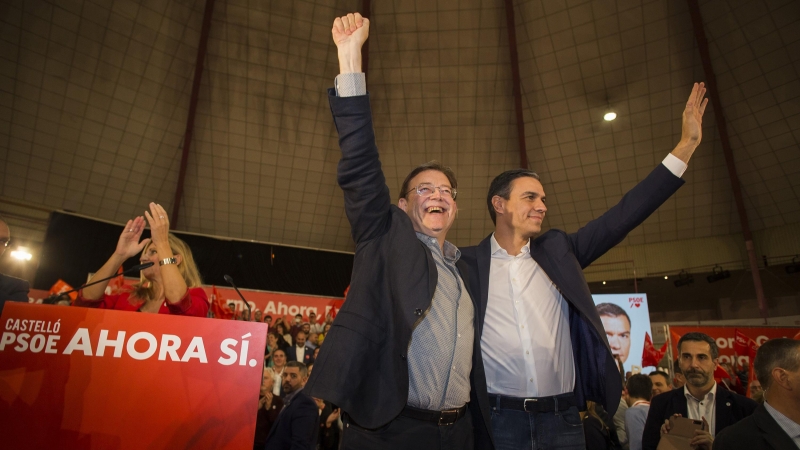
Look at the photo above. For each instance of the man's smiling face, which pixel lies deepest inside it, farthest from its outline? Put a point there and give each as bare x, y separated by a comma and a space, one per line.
525, 209
432, 215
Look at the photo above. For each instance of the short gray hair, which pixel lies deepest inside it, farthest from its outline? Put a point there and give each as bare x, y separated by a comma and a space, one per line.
782, 352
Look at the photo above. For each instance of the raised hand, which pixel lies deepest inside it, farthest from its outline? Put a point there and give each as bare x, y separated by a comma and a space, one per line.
128, 244
159, 224
351, 31
349, 34
692, 125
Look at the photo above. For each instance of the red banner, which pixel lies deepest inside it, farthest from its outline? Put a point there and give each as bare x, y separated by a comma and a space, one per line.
83, 378
726, 339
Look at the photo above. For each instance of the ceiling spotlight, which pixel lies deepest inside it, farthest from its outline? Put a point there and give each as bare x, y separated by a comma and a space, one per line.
684, 279
22, 254
718, 274
604, 282
609, 116
666, 277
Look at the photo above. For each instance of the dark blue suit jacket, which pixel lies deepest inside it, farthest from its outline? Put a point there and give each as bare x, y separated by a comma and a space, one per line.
297, 425
759, 431
730, 408
308, 356
362, 367
563, 257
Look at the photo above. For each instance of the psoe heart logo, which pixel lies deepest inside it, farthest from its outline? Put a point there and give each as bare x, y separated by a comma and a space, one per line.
635, 301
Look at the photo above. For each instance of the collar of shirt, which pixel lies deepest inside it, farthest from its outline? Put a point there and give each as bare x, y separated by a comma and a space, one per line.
791, 427
500, 252
451, 252
710, 396
288, 397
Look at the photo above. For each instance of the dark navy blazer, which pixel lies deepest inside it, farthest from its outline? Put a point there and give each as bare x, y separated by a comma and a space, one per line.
297, 425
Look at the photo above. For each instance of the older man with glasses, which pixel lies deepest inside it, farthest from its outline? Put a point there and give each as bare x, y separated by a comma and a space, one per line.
399, 356
11, 289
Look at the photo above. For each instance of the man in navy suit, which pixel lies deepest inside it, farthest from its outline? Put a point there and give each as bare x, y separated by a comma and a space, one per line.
544, 349
11, 289
300, 351
775, 425
700, 399
297, 424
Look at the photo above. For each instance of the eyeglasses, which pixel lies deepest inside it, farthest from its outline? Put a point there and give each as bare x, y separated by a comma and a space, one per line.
4, 242
425, 190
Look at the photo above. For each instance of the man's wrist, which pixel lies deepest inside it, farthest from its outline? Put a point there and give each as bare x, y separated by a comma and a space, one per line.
349, 60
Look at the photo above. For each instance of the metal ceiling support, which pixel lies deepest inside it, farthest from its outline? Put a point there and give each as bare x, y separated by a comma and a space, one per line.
366, 11
512, 48
711, 85
187, 137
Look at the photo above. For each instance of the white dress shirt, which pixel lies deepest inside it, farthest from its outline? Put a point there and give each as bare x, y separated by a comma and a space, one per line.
300, 353
700, 408
526, 346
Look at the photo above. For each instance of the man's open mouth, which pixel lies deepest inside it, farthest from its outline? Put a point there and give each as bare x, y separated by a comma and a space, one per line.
434, 210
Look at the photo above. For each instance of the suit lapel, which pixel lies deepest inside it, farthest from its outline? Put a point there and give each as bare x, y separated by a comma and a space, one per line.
771, 431
484, 257
679, 403
723, 414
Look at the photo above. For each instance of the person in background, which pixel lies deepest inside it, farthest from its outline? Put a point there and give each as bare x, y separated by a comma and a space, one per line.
278, 367
660, 381
598, 428
257, 315
170, 286
11, 288
619, 421
280, 328
300, 351
269, 406
328, 435
640, 390
678, 381
274, 341
315, 326
756, 391
313, 340
297, 425
775, 424
700, 399
268, 320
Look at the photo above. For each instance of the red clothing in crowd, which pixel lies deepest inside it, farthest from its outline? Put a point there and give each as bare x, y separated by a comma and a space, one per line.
193, 303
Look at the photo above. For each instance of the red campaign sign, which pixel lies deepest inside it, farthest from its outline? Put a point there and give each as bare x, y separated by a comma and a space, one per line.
83, 378
726, 339
276, 304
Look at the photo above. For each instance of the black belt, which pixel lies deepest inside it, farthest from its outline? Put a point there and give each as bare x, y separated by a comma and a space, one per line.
446, 417
536, 404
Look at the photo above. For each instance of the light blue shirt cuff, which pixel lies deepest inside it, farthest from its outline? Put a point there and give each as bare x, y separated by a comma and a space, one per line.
675, 165
350, 84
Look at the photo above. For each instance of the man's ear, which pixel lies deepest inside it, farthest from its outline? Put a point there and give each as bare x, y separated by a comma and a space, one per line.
498, 203
403, 204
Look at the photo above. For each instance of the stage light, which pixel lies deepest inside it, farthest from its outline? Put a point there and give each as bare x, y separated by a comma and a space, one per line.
22, 254
718, 274
609, 116
684, 279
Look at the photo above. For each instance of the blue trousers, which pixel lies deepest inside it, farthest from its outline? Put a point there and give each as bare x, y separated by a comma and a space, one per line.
517, 430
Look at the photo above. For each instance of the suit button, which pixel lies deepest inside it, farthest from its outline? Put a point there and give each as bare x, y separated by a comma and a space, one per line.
403, 357
418, 312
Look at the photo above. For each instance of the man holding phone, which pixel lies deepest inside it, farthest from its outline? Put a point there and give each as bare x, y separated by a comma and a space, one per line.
699, 399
